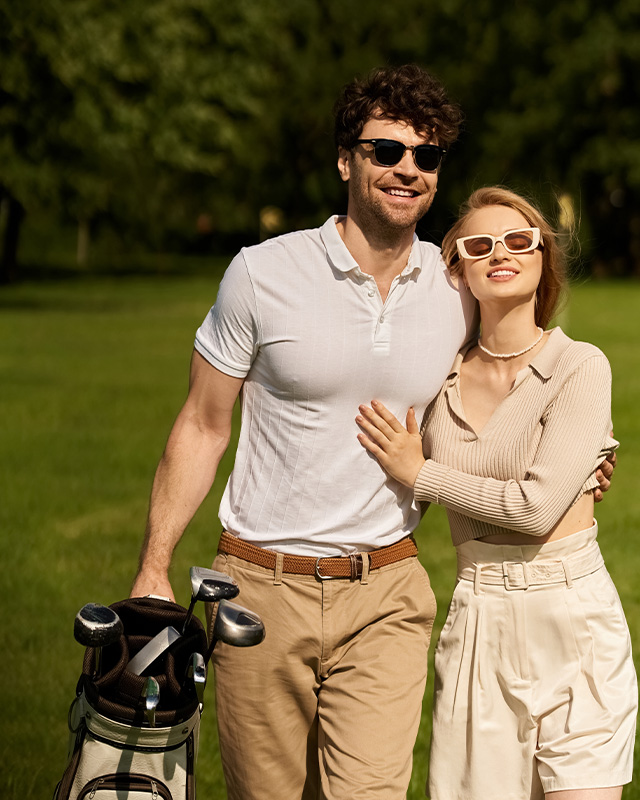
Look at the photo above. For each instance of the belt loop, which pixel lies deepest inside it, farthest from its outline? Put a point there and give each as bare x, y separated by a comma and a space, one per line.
277, 573
477, 579
364, 578
567, 573
353, 563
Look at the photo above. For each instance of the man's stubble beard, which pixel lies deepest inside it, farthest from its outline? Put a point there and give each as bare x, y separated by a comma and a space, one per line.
378, 221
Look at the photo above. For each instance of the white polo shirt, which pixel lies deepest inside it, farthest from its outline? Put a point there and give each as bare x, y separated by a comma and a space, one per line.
307, 329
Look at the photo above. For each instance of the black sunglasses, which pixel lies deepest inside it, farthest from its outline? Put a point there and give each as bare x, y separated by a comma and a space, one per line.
388, 153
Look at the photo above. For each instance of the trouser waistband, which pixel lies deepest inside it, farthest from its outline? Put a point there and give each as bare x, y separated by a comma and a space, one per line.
520, 574
352, 566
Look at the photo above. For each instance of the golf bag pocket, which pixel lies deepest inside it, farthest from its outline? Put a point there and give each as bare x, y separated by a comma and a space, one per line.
133, 787
115, 761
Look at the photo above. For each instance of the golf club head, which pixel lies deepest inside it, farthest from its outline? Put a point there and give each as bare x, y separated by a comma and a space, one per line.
96, 625
197, 674
151, 694
209, 586
153, 649
195, 667
237, 626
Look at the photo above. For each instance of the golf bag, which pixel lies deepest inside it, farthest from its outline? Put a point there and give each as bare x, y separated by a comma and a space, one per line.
115, 752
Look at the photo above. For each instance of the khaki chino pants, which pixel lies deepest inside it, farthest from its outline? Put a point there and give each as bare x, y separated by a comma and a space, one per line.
328, 705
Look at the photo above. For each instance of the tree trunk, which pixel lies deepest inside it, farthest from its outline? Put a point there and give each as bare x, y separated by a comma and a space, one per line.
12, 216
84, 238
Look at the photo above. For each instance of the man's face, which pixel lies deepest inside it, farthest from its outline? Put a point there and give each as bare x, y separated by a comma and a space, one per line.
387, 199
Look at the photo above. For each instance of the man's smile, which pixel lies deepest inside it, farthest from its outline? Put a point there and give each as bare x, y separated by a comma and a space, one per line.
400, 192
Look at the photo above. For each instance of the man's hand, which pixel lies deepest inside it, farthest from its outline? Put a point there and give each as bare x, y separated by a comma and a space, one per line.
604, 474
157, 584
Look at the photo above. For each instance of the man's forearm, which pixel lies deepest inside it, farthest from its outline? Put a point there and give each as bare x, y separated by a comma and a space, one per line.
183, 479
186, 471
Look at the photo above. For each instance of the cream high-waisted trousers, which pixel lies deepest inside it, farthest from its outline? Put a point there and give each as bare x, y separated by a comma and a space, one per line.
535, 685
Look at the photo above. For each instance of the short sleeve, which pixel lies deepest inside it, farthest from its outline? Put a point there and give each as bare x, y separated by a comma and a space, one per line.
229, 336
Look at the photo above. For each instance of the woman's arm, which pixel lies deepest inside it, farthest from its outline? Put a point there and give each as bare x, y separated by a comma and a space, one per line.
576, 424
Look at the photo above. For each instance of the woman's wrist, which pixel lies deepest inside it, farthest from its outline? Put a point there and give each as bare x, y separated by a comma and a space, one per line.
418, 467
429, 481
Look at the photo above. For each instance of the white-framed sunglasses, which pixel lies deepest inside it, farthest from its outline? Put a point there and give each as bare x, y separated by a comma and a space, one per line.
520, 240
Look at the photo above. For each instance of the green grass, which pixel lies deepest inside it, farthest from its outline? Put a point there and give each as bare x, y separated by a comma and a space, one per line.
92, 374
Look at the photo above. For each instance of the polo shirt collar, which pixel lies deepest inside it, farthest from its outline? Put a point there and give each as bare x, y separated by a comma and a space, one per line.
342, 259
544, 362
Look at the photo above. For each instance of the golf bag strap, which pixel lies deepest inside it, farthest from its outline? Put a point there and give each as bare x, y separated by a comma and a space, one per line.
336, 567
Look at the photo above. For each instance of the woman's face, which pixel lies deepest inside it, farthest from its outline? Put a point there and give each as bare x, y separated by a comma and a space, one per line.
501, 276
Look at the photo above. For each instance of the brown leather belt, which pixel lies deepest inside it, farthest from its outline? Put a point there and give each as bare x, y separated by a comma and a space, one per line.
323, 568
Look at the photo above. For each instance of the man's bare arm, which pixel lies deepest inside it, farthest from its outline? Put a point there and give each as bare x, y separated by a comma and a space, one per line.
186, 471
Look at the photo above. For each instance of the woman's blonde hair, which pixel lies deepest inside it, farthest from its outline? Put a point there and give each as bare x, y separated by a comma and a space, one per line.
553, 282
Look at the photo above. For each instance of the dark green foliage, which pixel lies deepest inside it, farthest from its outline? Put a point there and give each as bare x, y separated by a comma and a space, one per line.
140, 117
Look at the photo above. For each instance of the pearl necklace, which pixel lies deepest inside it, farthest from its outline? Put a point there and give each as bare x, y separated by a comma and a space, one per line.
512, 355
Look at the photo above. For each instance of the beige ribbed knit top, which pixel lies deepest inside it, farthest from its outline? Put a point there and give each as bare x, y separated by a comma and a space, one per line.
535, 456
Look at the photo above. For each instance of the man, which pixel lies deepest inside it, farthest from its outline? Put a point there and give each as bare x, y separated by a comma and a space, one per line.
306, 327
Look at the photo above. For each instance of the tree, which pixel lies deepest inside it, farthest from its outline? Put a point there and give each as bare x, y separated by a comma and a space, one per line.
551, 97
115, 110
145, 115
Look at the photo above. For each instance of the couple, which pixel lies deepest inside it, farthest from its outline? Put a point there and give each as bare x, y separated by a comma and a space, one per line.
304, 328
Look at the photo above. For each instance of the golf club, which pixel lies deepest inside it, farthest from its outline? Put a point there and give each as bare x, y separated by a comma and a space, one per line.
197, 674
151, 693
95, 626
153, 649
209, 586
236, 626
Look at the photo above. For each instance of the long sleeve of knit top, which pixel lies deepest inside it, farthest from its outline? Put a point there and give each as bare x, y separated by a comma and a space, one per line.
535, 456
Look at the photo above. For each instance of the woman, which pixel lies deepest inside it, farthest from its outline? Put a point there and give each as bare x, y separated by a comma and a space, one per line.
535, 686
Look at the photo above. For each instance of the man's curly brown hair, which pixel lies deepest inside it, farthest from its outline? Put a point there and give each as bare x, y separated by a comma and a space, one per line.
407, 94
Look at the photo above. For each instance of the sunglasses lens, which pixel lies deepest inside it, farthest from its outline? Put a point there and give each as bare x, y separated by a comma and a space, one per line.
428, 156
518, 241
478, 246
388, 152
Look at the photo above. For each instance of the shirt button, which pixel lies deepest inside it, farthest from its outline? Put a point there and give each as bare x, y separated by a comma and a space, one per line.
371, 293
381, 319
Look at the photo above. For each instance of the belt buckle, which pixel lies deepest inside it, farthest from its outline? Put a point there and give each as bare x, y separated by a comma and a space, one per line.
507, 580
323, 577
354, 559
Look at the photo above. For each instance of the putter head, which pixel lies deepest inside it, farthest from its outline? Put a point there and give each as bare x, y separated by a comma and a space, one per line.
209, 586
151, 694
237, 626
96, 625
